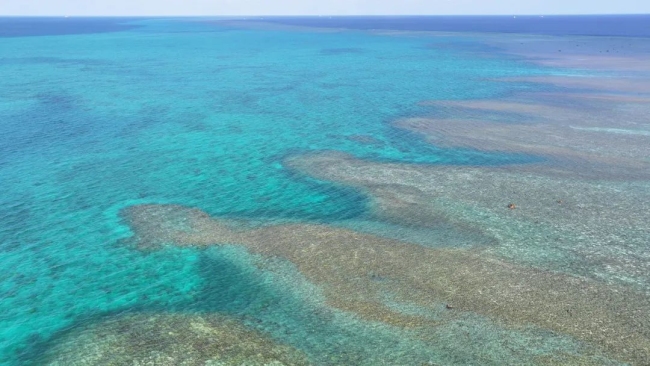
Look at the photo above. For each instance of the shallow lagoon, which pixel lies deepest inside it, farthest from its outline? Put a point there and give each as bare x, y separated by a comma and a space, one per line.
231, 119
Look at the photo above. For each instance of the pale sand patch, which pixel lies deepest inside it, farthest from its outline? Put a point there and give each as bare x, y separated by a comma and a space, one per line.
166, 339
356, 271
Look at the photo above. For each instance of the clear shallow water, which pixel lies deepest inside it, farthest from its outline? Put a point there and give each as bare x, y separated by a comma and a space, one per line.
201, 115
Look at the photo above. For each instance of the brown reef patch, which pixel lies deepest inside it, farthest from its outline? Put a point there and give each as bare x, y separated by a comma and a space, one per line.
624, 54
357, 271
600, 136
597, 229
163, 339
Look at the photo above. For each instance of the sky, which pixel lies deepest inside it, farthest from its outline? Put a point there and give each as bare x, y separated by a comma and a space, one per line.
320, 7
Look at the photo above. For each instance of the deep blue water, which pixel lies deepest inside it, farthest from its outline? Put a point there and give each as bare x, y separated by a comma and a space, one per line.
557, 25
107, 113
56, 26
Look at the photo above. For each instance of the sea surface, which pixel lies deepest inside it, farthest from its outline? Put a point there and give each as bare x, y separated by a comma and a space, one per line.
98, 115
557, 25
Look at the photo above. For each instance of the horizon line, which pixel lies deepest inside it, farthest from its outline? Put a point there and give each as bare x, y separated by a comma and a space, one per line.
307, 15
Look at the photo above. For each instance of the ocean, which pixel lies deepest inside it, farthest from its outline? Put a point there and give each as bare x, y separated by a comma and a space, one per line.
99, 116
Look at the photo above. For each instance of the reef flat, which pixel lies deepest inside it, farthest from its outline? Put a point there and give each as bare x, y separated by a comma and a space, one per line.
159, 339
594, 229
597, 136
358, 271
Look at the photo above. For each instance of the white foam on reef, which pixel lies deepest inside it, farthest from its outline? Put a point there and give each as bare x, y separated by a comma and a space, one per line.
613, 130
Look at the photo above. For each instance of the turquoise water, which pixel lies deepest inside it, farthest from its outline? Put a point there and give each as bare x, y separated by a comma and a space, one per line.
200, 115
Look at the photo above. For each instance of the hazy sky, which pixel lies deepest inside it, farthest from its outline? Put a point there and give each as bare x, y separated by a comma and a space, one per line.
318, 7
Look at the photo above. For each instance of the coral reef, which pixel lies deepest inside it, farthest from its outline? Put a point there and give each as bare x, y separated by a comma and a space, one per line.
597, 229
568, 257
158, 339
596, 136
357, 272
